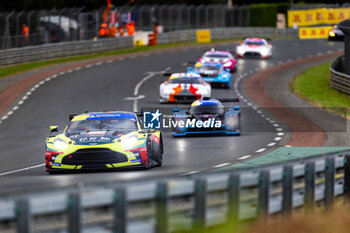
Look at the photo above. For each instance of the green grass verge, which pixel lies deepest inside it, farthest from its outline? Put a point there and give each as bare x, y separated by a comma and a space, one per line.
313, 86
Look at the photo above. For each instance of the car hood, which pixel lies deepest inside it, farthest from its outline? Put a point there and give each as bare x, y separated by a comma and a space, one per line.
95, 137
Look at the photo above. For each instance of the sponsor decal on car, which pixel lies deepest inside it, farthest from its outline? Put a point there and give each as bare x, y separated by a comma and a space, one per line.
136, 161
56, 164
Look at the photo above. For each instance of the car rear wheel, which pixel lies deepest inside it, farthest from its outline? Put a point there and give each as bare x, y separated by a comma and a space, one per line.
158, 151
154, 152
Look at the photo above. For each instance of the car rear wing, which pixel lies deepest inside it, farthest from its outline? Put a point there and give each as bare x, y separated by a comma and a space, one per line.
227, 100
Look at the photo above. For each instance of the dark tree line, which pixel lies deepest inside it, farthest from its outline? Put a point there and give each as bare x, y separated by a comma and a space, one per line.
18, 5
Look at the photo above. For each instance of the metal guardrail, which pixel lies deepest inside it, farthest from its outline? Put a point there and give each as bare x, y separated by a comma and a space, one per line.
339, 80
226, 33
196, 202
64, 49
74, 48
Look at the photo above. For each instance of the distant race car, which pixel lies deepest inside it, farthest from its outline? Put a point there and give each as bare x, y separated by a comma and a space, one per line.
220, 119
335, 34
213, 73
183, 88
103, 140
254, 47
225, 58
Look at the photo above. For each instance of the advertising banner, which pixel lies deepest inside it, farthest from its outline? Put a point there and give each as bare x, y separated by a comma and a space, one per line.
318, 16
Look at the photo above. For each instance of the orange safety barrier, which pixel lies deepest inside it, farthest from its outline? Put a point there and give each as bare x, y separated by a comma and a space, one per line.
152, 39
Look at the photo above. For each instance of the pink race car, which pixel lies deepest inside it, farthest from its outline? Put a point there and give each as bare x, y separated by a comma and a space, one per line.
225, 58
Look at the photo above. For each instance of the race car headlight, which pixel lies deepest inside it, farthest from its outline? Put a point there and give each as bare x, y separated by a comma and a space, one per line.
264, 51
240, 50
168, 91
229, 63
331, 33
129, 141
60, 144
231, 121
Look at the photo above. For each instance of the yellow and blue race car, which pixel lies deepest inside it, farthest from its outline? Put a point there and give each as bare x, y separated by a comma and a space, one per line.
103, 140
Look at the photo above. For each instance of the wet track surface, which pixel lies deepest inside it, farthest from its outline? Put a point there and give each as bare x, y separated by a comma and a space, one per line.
105, 87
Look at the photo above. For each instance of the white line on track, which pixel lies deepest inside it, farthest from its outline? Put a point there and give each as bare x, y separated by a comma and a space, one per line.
271, 144
280, 134
221, 165
277, 138
142, 81
134, 97
190, 173
22, 169
244, 157
279, 129
260, 150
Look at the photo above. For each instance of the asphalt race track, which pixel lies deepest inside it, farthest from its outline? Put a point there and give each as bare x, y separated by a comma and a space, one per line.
107, 87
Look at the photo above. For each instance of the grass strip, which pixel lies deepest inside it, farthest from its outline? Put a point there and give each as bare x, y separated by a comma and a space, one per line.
313, 86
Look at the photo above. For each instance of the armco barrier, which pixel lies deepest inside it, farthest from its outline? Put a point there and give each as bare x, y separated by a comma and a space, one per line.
226, 33
167, 205
338, 79
64, 49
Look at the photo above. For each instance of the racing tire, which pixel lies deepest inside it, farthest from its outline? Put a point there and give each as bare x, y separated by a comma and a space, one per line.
157, 150
154, 152
149, 153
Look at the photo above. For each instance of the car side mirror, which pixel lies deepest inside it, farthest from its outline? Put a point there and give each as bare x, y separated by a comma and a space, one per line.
53, 129
227, 70
236, 108
175, 110
151, 130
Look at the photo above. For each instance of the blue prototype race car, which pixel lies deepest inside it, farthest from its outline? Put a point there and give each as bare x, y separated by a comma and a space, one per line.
213, 73
208, 116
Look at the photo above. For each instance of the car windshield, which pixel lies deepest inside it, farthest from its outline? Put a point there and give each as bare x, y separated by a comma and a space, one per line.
101, 124
185, 80
207, 109
255, 42
217, 55
208, 68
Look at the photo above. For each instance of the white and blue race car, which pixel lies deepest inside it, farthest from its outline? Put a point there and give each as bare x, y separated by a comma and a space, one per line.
208, 117
214, 73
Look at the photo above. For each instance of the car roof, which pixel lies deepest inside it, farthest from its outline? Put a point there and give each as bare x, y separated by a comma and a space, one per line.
105, 115
206, 102
217, 52
213, 64
185, 75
